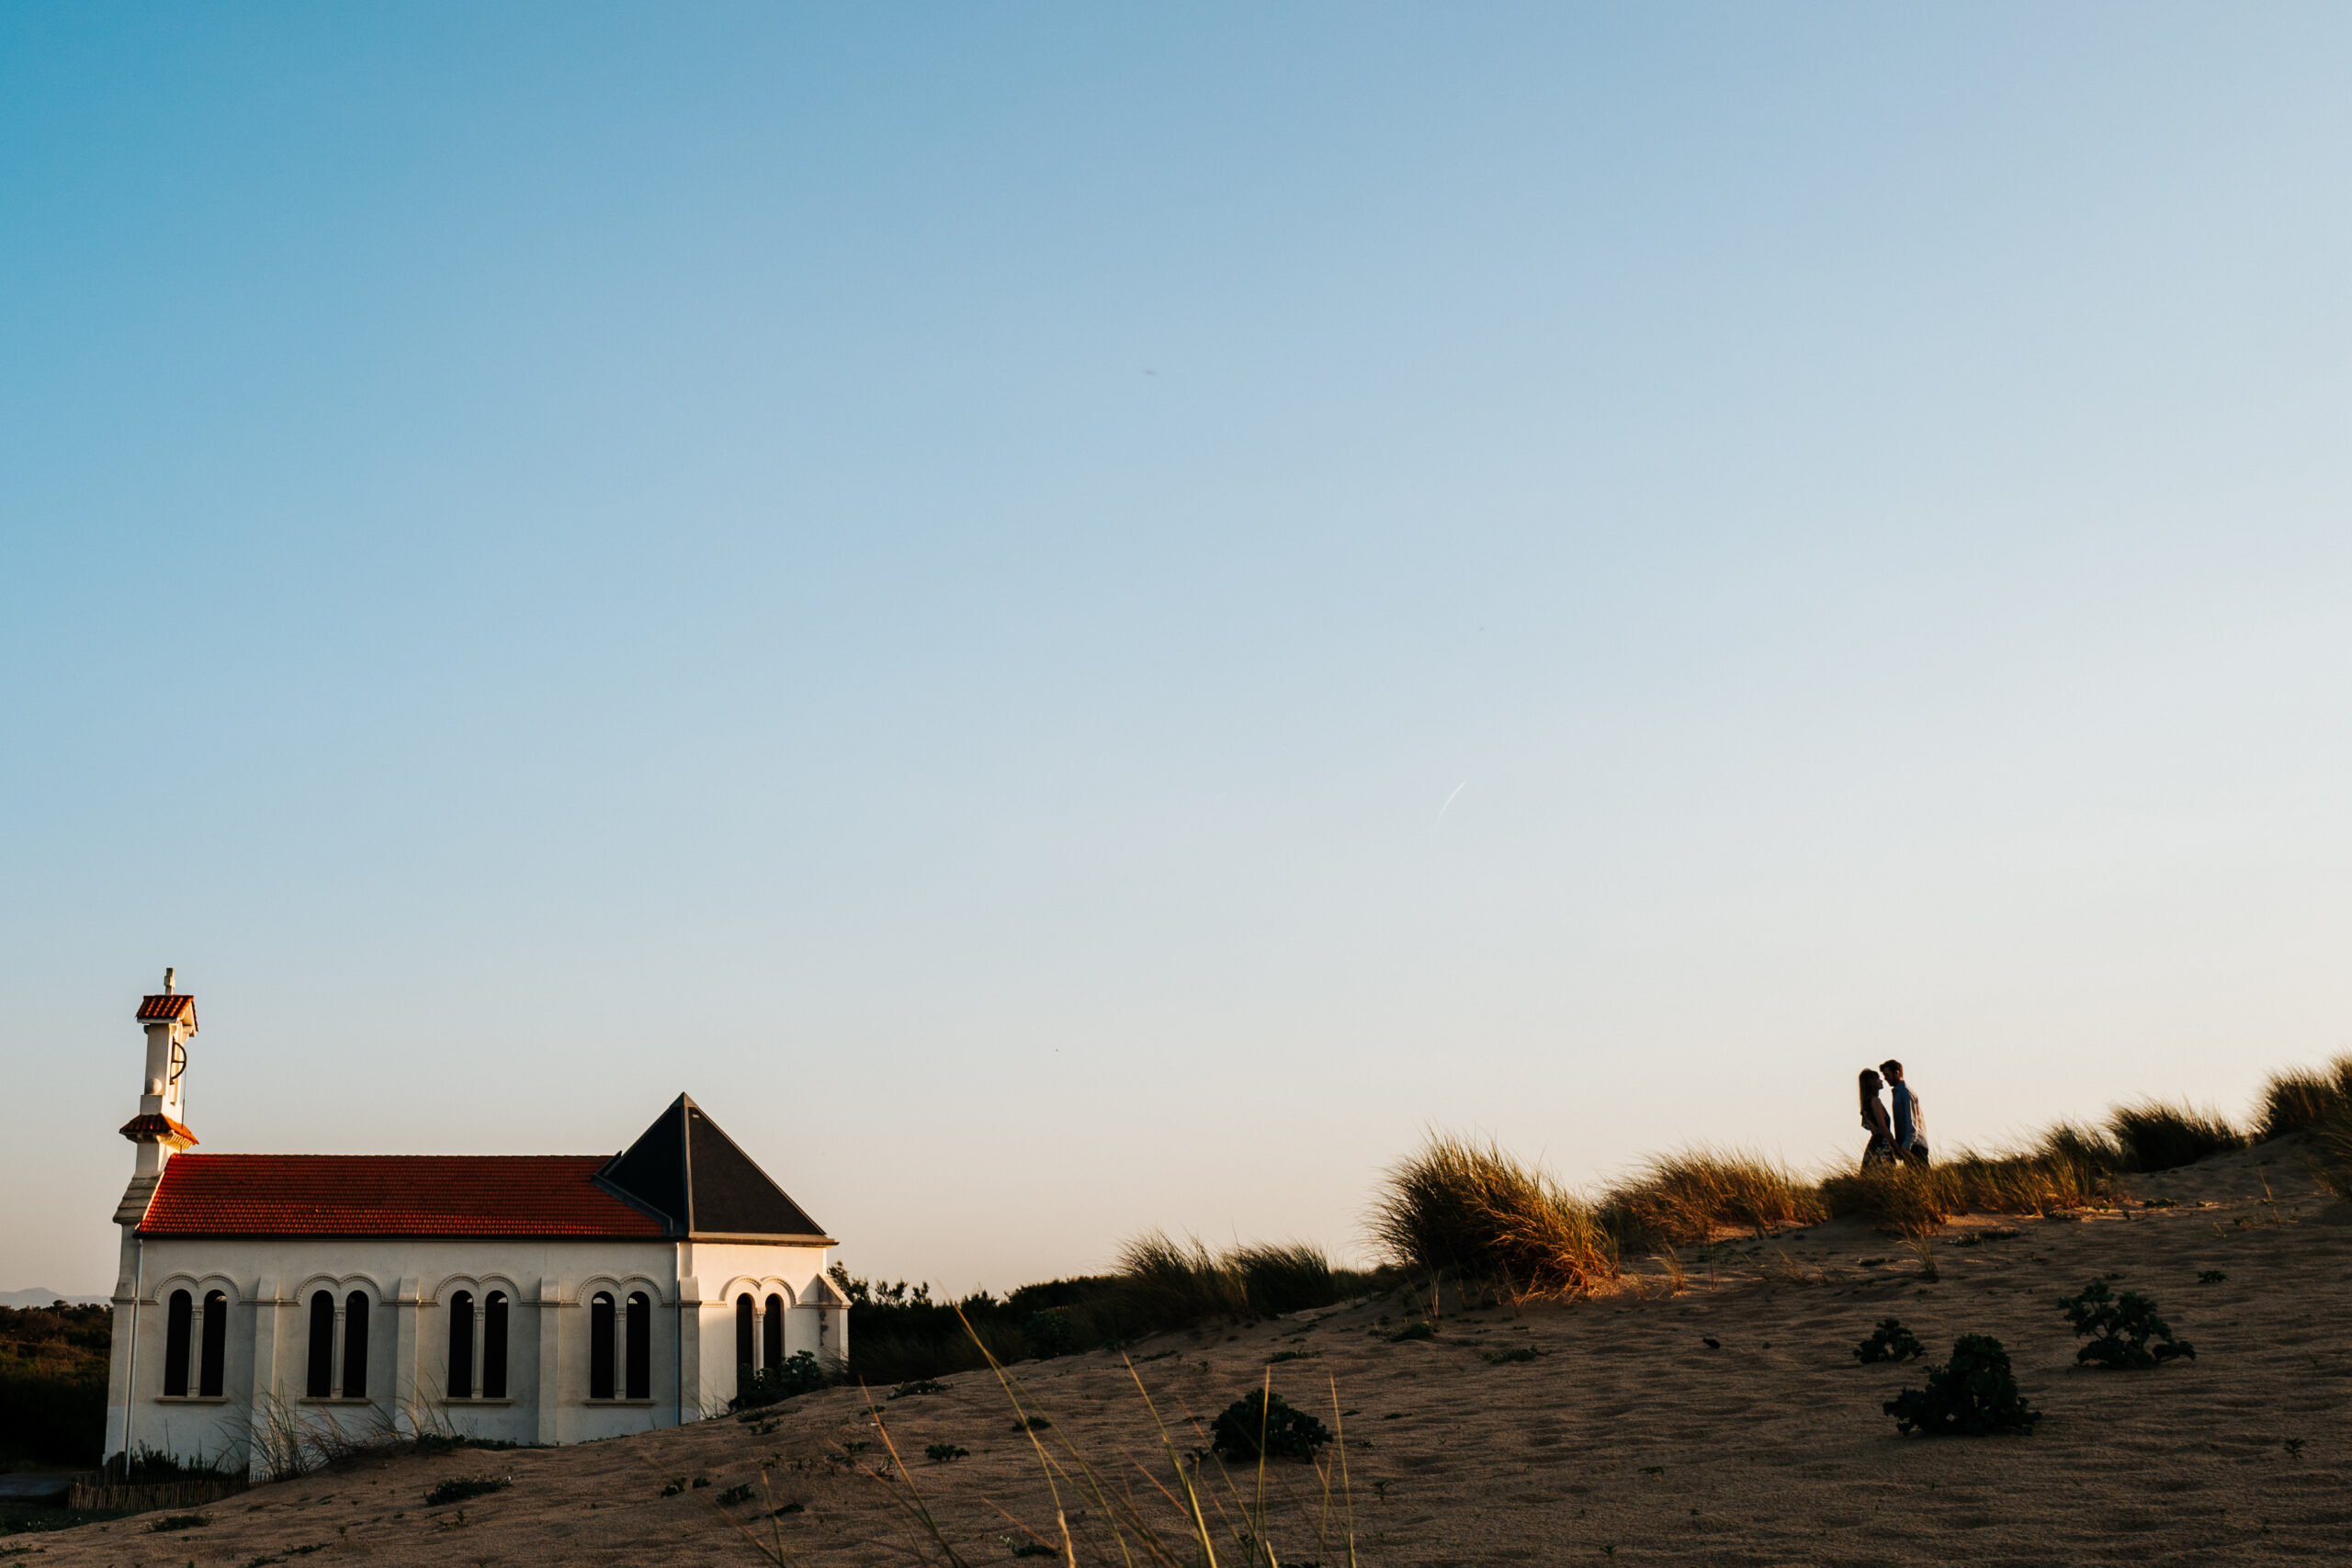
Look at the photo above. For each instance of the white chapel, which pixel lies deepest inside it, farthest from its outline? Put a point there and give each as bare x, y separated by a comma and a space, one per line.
538, 1298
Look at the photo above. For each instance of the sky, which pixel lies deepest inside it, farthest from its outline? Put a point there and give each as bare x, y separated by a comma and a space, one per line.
1091, 618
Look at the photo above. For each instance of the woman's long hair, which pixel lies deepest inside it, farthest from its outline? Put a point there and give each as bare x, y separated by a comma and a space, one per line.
1868, 1083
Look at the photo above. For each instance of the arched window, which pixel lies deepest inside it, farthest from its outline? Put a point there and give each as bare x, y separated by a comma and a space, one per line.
640, 1346
493, 1346
320, 1383
176, 1334
355, 1345
772, 1334
461, 1345
600, 1346
743, 1345
211, 1374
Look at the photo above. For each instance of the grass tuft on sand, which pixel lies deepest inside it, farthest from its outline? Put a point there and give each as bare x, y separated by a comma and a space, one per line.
2156, 1137
1471, 1211
2296, 1100
1686, 1197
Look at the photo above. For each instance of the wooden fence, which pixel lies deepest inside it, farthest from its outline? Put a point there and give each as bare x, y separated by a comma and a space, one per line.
150, 1495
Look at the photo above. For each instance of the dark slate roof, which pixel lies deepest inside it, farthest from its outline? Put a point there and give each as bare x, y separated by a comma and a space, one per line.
687, 1171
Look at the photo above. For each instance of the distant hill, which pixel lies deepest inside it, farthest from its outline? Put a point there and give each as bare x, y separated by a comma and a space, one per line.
40, 1296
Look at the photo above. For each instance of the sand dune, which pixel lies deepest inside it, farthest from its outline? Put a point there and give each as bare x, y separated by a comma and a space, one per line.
1627, 1439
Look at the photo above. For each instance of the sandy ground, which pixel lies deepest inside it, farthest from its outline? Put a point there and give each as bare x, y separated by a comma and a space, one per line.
1627, 1439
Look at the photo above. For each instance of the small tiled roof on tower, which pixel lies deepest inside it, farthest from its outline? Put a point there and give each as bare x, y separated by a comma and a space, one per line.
169, 1005
685, 1170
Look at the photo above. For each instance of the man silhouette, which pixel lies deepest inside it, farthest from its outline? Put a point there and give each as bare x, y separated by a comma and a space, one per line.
1910, 1122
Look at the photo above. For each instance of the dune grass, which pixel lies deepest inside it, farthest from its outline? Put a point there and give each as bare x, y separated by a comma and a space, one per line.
1471, 1211
2296, 1100
2332, 1151
1168, 1283
2062, 1173
1291, 1277
1904, 1199
2156, 1137
1687, 1196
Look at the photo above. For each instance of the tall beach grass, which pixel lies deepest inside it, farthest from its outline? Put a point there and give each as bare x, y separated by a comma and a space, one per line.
2156, 1137
1687, 1196
1471, 1211
2296, 1099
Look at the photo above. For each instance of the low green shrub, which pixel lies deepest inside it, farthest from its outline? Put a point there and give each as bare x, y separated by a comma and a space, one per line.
2120, 1328
1973, 1395
149, 1466
942, 1453
1287, 1432
1050, 1334
901, 1336
1890, 1341
459, 1491
799, 1374
170, 1522
738, 1492
450, 1442
920, 1385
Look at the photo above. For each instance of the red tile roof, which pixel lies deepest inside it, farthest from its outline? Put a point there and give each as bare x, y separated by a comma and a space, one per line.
171, 1004
469, 1195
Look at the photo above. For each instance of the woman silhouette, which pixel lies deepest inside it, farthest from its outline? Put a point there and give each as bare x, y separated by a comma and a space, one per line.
1875, 1121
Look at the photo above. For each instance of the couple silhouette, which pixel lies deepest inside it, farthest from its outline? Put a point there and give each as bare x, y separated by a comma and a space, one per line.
1905, 1136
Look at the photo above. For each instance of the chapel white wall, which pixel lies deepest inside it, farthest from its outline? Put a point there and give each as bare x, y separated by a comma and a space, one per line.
268, 1283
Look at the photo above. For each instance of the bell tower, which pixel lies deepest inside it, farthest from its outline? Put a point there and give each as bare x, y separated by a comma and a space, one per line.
159, 1128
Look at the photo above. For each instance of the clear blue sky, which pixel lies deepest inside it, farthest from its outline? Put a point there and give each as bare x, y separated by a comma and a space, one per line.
1084, 618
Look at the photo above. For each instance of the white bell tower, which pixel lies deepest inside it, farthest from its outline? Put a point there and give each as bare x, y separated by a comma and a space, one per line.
160, 1129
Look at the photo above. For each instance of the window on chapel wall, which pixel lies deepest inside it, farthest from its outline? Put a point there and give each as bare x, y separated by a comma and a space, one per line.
461, 1345
744, 1344
176, 1313
320, 1385
213, 1365
355, 1345
493, 1346
772, 1334
639, 1381
600, 1346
